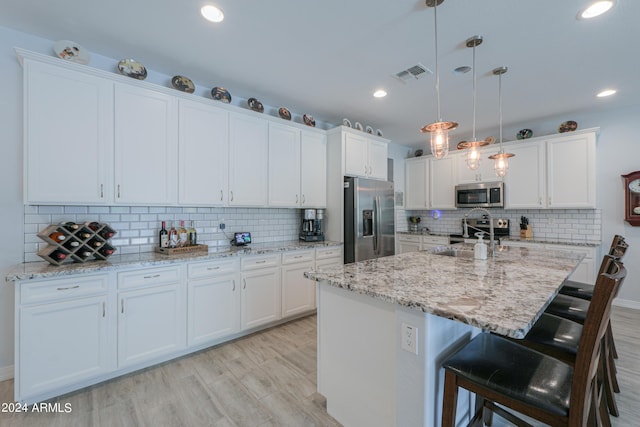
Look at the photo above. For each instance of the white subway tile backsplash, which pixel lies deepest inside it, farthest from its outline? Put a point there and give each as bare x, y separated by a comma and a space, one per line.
138, 226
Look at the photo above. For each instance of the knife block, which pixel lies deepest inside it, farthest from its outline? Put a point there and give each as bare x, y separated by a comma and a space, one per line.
526, 233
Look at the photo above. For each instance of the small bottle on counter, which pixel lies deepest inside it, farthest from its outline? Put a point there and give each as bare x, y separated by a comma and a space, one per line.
193, 235
173, 237
480, 248
183, 237
164, 236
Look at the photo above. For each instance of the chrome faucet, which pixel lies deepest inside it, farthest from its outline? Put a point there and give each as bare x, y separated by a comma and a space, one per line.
465, 233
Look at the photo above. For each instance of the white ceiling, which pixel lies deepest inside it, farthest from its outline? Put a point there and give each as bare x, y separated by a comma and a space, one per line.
325, 58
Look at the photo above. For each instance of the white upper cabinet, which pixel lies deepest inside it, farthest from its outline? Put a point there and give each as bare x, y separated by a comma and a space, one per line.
484, 173
442, 182
525, 180
248, 160
571, 171
416, 171
203, 154
146, 146
284, 166
313, 172
365, 157
68, 134
557, 172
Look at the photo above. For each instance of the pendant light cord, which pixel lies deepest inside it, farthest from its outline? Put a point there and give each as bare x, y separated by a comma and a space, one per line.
435, 18
474, 93
500, 108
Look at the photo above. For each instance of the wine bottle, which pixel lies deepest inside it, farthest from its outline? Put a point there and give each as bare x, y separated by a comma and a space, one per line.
163, 236
71, 244
107, 232
71, 226
106, 251
173, 237
58, 255
95, 226
193, 235
57, 236
182, 235
83, 253
95, 243
85, 235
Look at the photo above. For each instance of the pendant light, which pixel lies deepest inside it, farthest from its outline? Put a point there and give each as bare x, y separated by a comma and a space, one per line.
473, 155
501, 159
440, 129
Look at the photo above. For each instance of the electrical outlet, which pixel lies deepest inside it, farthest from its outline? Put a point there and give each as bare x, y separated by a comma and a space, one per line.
222, 226
550, 221
409, 338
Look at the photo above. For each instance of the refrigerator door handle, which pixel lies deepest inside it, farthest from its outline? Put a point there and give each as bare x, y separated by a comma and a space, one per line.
375, 225
377, 218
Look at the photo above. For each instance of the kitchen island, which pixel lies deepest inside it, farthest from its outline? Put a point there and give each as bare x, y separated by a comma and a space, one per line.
386, 325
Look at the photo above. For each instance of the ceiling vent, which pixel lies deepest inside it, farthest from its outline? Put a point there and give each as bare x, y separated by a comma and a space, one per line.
414, 72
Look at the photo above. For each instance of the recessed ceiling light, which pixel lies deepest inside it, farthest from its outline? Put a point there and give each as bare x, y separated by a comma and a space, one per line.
464, 69
212, 13
380, 93
606, 93
596, 9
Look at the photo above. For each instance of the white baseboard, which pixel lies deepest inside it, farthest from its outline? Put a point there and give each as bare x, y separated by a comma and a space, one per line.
6, 373
627, 303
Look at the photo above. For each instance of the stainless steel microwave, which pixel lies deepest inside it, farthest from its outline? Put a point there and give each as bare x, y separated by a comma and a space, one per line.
480, 195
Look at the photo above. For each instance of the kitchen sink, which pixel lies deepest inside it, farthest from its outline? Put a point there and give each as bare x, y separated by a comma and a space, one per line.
460, 253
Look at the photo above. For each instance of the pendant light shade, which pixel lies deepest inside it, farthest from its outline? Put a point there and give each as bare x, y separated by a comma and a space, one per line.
440, 129
501, 159
473, 155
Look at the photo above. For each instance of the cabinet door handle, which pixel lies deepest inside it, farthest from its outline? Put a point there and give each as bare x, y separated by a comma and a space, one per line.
118, 191
303, 199
69, 287
296, 198
549, 201
244, 283
297, 256
261, 262
231, 199
104, 308
151, 277
221, 195
540, 201
122, 306
212, 268
101, 191
365, 169
234, 285
329, 253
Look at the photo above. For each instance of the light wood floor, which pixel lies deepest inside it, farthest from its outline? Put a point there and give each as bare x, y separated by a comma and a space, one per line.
266, 379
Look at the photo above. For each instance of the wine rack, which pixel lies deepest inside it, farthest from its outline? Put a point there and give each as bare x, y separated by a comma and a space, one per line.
76, 242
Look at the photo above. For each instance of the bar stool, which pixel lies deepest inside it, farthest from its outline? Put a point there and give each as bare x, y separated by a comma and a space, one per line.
500, 371
585, 290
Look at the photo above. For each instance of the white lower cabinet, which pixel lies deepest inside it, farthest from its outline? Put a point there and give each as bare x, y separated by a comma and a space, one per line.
151, 314
213, 307
62, 333
75, 331
413, 243
261, 294
298, 292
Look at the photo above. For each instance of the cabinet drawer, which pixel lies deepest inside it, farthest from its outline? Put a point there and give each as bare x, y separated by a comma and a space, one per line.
328, 252
577, 249
436, 240
298, 256
212, 268
149, 276
58, 289
261, 261
406, 238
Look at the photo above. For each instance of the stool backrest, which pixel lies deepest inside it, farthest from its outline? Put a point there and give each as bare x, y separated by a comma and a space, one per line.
585, 381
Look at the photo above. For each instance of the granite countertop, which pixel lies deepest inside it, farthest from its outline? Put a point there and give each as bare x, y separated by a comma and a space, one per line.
505, 294
38, 270
550, 242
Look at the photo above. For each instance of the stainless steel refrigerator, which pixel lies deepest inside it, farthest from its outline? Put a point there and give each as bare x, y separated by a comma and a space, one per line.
368, 219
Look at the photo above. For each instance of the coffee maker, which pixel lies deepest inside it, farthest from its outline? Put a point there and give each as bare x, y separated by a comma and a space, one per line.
311, 228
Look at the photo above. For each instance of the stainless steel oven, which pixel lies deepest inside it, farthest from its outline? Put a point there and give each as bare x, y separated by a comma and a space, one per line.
480, 195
